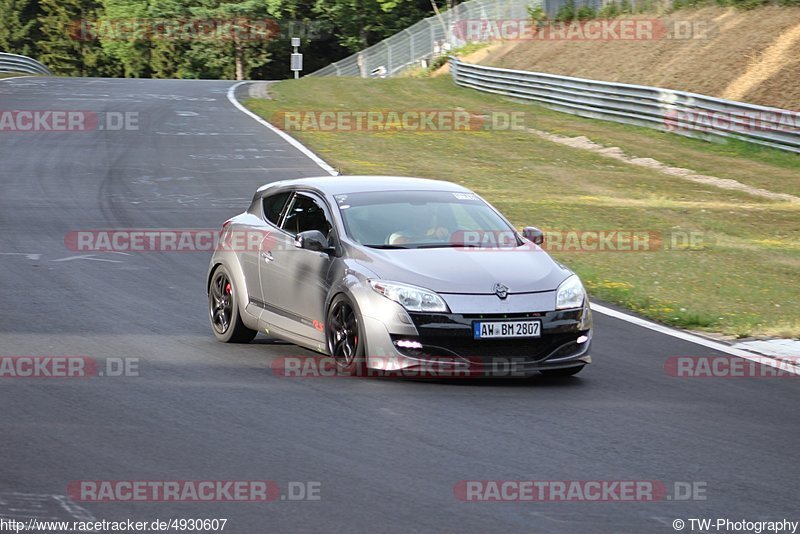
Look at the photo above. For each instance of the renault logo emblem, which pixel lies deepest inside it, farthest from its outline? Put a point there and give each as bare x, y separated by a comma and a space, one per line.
501, 291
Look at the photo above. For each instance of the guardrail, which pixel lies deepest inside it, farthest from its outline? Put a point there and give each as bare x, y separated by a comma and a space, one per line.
23, 64
684, 113
424, 40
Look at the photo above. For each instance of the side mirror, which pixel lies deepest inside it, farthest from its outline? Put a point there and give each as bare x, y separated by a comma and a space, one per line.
531, 233
312, 240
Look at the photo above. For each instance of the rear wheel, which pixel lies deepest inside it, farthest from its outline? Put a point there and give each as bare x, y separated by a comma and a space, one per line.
343, 331
567, 371
223, 310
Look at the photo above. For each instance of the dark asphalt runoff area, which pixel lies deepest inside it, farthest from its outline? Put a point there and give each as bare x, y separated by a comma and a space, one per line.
376, 455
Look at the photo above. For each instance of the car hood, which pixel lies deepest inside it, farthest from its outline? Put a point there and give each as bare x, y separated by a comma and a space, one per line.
474, 271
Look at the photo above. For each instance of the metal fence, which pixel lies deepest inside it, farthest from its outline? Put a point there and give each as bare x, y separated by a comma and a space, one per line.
435, 36
680, 112
425, 40
23, 64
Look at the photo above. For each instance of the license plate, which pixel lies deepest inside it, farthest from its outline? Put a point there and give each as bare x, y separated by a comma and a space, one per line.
505, 329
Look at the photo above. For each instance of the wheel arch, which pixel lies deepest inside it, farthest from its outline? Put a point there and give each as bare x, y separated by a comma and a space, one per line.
345, 288
236, 273
211, 270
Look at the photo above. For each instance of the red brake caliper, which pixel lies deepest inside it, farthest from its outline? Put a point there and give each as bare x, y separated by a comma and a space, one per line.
228, 288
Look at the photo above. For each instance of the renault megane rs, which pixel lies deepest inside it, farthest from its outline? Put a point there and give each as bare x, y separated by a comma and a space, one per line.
397, 273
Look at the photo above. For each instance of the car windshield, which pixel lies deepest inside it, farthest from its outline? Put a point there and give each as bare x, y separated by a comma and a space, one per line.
423, 219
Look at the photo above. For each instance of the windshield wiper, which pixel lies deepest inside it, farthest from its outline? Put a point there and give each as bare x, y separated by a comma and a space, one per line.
447, 245
386, 246
464, 245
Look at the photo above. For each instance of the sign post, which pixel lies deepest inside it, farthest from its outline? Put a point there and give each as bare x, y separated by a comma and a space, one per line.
297, 57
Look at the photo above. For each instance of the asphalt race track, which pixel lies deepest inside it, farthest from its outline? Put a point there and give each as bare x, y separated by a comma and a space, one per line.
387, 454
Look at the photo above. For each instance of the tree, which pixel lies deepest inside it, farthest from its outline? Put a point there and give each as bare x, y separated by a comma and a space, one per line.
244, 29
198, 38
360, 23
18, 28
168, 47
120, 40
297, 18
67, 50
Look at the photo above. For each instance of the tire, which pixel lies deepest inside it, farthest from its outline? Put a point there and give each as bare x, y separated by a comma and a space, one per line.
223, 310
344, 336
567, 371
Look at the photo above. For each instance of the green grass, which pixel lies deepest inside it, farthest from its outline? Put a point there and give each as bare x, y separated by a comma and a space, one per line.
742, 281
10, 74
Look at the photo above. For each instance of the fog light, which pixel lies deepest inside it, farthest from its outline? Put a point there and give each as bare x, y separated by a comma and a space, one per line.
408, 344
582, 339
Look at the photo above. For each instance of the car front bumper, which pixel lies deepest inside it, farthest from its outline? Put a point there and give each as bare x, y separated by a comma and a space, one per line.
441, 345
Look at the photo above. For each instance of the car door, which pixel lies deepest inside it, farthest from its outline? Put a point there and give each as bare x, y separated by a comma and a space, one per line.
243, 240
249, 239
295, 281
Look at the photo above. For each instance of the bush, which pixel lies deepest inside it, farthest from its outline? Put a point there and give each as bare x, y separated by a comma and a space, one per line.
609, 11
438, 62
586, 13
537, 13
566, 12
748, 4
644, 6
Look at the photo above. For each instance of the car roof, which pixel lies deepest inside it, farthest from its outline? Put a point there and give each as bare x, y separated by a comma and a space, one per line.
337, 185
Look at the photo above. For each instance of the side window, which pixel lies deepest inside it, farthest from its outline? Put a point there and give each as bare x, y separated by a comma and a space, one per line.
306, 213
273, 206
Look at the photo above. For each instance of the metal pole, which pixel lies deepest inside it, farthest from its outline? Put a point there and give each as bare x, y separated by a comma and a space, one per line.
296, 63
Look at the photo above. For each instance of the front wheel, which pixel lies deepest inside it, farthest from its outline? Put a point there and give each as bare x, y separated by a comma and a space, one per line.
343, 331
567, 371
223, 310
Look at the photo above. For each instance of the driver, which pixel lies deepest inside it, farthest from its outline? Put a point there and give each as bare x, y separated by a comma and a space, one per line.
424, 228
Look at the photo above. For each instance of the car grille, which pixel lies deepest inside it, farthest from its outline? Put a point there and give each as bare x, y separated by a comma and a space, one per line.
488, 351
449, 336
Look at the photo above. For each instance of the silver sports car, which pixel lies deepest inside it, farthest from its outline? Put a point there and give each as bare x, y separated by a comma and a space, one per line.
397, 274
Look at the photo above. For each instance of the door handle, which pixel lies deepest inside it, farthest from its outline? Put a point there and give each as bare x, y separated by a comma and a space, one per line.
267, 256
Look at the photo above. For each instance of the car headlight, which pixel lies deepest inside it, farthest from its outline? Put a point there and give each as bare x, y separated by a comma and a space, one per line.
412, 298
570, 293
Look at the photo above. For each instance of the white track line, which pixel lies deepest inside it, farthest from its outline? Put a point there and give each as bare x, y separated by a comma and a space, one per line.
289, 139
698, 340
599, 308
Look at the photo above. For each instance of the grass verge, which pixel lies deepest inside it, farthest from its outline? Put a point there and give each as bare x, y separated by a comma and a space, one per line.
739, 279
